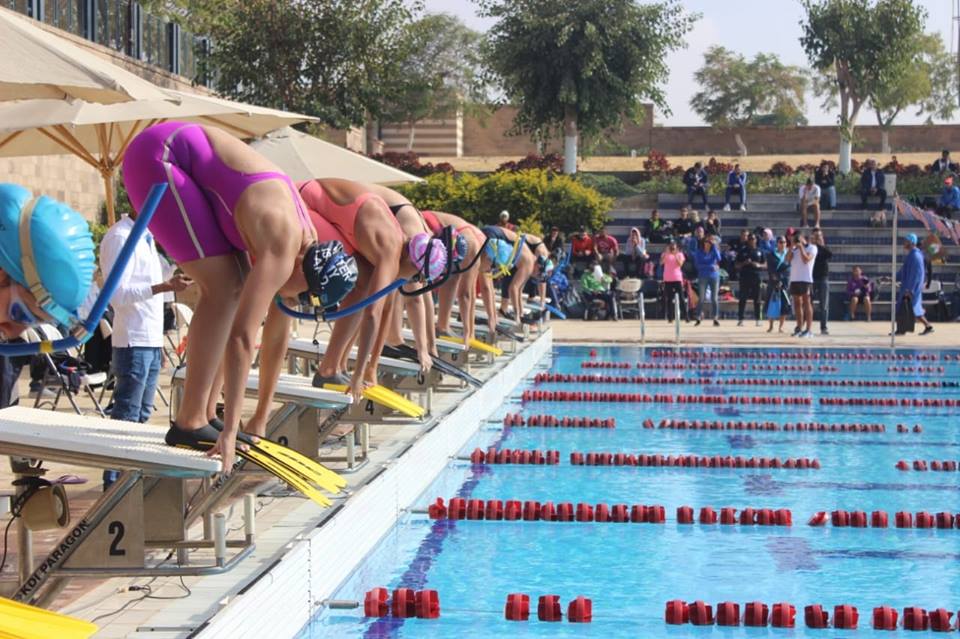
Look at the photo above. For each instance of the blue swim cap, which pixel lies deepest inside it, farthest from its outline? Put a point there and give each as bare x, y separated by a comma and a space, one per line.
912, 238
61, 245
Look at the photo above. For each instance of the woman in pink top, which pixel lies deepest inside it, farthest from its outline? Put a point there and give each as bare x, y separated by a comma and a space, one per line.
672, 261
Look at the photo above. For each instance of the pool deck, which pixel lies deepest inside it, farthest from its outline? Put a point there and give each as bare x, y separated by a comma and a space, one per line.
286, 524
659, 332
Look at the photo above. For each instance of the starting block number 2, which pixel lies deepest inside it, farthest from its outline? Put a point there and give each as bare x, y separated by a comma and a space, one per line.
118, 541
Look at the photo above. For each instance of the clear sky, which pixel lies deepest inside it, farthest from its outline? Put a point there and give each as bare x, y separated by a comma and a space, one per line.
744, 26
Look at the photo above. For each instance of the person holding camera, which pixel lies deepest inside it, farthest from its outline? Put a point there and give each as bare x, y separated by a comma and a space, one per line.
802, 257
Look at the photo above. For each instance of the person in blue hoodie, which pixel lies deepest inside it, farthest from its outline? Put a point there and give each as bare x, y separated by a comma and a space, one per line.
949, 202
736, 185
911, 278
707, 258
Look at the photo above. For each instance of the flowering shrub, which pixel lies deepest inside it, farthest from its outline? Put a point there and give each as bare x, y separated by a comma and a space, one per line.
551, 162
410, 162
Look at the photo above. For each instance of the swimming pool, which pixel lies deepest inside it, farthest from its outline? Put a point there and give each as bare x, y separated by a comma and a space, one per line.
630, 570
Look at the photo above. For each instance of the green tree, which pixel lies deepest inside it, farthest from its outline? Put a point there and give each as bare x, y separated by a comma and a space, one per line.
740, 92
439, 73
581, 66
337, 60
859, 43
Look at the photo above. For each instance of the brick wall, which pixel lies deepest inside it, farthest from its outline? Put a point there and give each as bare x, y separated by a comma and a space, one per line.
488, 136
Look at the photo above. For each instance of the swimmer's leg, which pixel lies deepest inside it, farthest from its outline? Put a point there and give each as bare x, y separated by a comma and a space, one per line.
220, 280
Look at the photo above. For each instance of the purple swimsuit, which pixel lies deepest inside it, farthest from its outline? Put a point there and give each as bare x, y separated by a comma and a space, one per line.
195, 218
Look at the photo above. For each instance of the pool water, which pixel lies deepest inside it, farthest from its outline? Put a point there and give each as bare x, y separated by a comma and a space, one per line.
631, 570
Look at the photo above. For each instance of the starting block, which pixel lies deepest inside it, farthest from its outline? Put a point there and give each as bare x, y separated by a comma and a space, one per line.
143, 509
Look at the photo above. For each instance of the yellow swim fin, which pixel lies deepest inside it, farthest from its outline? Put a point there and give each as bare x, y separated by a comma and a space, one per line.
385, 397
316, 472
205, 437
284, 473
21, 621
475, 344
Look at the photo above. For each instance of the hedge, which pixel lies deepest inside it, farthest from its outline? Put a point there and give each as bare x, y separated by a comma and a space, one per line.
533, 197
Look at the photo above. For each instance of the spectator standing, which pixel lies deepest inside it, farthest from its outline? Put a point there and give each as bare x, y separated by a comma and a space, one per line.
137, 324
683, 227
692, 243
707, 258
596, 285
711, 225
635, 258
860, 291
736, 185
607, 246
911, 277
944, 164
778, 278
582, 249
809, 197
767, 242
821, 278
504, 221
949, 202
554, 242
655, 227
672, 260
802, 256
696, 180
826, 178
871, 184
750, 264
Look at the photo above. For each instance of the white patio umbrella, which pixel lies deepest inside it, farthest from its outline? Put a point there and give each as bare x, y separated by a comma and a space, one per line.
304, 157
36, 63
99, 133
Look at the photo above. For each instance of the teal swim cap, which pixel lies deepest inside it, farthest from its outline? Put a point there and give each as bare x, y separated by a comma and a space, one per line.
60, 261
498, 251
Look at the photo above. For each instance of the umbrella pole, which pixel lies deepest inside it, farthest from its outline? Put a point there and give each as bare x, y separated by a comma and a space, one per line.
108, 188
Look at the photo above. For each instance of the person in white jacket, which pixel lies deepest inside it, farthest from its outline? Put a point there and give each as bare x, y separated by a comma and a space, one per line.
137, 324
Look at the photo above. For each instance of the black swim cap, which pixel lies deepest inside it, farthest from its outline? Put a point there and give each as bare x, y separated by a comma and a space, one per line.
331, 273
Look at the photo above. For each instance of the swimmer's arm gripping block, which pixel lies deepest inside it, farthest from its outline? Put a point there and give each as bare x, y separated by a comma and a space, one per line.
109, 286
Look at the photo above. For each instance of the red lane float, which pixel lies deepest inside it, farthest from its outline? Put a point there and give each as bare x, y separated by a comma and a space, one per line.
947, 465
884, 618
515, 510
519, 457
818, 427
660, 398
879, 519
549, 609
690, 461
890, 402
703, 355
517, 607
405, 603
568, 378
551, 421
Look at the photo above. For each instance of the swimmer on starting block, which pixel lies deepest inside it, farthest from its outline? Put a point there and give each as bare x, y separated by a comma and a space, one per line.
390, 234
528, 257
224, 201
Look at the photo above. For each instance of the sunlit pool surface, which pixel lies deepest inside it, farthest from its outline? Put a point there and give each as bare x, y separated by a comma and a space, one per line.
631, 570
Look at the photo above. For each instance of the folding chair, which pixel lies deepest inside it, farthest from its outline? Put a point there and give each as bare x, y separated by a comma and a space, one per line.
176, 339
628, 290
63, 374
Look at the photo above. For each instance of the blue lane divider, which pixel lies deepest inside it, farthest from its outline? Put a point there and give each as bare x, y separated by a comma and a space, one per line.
109, 286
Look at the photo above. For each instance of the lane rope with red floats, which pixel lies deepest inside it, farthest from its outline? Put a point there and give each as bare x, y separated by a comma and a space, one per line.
569, 378
783, 615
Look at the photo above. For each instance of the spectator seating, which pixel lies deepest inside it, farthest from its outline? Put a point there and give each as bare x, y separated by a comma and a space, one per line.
849, 234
